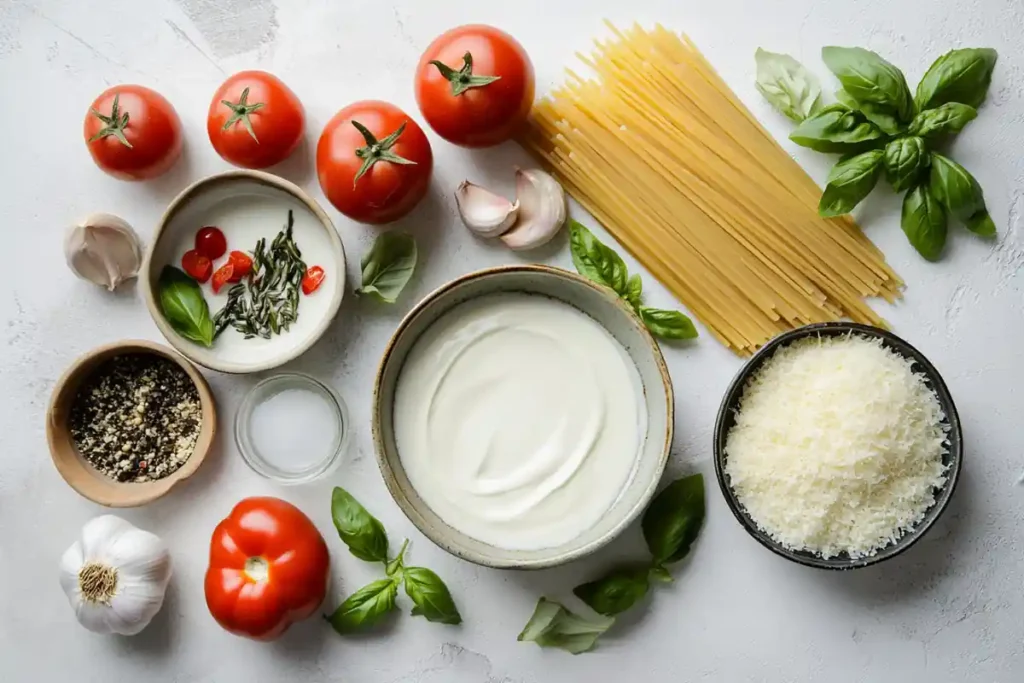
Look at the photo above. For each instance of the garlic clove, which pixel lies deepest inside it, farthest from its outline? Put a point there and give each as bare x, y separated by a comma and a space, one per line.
542, 210
104, 250
485, 213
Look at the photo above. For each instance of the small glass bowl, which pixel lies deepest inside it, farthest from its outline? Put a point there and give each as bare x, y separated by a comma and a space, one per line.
263, 391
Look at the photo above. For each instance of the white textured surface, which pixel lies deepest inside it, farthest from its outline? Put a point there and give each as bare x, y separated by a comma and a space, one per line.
948, 611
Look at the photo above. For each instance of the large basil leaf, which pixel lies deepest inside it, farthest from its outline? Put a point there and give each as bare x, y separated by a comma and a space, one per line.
616, 592
362, 532
850, 181
878, 86
554, 626
365, 607
960, 194
430, 596
595, 261
787, 85
673, 519
388, 265
667, 324
945, 119
958, 76
905, 160
924, 222
836, 129
184, 306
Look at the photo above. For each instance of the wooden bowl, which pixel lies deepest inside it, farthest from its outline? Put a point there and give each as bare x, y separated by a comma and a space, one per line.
78, 472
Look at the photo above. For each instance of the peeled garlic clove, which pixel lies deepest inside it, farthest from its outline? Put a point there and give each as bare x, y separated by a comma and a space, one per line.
104, 250
541, 210
485, 213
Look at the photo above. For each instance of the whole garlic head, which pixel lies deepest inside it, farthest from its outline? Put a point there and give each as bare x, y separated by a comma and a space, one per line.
115, 576
104, 250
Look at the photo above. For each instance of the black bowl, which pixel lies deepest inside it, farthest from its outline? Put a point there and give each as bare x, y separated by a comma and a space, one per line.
952, 458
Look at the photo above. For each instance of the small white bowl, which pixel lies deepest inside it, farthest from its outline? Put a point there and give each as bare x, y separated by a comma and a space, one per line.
247, 205
610, 311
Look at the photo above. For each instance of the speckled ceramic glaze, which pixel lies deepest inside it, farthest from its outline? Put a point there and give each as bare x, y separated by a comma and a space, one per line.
614, 315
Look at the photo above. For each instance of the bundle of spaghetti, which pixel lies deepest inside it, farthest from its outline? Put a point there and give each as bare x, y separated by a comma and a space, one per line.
667, 158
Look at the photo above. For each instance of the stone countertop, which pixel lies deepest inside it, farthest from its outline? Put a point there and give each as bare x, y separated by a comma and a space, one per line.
948, 611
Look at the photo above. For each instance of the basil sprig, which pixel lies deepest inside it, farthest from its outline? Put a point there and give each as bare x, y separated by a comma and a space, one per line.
366, 539
184, 306
600, 263
878, 126
670, 525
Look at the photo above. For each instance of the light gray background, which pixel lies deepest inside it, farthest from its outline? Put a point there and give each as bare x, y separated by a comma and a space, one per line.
949, 610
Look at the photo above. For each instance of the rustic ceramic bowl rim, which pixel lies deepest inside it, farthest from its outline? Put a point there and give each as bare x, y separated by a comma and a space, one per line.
730, 401
182, 200
438, 536
199, 453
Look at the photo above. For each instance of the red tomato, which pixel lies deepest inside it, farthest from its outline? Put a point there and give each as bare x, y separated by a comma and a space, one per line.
210, 242
373, 162
312, 279
255, 120
223, 276
474, 85
241, 265
268, 568
132, 132
196, 265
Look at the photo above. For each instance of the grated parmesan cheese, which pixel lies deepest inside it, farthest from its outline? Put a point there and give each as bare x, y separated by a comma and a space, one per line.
837, 446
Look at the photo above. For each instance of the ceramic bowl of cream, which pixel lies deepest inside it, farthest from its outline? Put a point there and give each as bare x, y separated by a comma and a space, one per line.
247, 206
522, 416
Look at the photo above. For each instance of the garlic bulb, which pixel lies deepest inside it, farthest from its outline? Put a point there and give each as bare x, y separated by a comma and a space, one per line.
485, 213
104, 250
541, 210
115, 576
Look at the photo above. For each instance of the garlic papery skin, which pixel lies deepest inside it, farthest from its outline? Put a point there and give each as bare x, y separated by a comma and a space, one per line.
115, 576
485, 213
104, 250
542, 210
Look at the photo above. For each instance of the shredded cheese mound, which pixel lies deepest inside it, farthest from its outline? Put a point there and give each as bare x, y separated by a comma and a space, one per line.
837, 446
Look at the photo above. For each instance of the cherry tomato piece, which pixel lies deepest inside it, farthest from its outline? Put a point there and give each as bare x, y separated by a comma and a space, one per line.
211, 243
475, 85
197, 266
373, 162
241, 265
223, 276
312, 279
132, 132
255, 120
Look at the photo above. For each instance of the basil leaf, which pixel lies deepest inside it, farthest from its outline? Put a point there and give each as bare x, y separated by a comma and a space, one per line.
365, 607
616, 592
184, 306
554, 626
871, 80
905, 160
595, 261
634, 290
667, 324
924, 222
787, 85
362, 532
430, 595
388, 266
960, 194
837, 130
881, 116
850, 181
945, 119
673, 519
958, 76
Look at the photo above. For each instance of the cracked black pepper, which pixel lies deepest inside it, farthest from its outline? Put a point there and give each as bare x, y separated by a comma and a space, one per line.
136, 418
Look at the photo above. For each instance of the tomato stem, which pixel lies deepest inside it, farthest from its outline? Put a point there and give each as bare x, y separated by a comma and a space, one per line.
463, 79
115, 125
378, 150
240, 112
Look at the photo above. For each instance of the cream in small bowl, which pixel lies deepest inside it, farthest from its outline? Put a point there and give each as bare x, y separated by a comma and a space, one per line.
523, 416
248, 206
